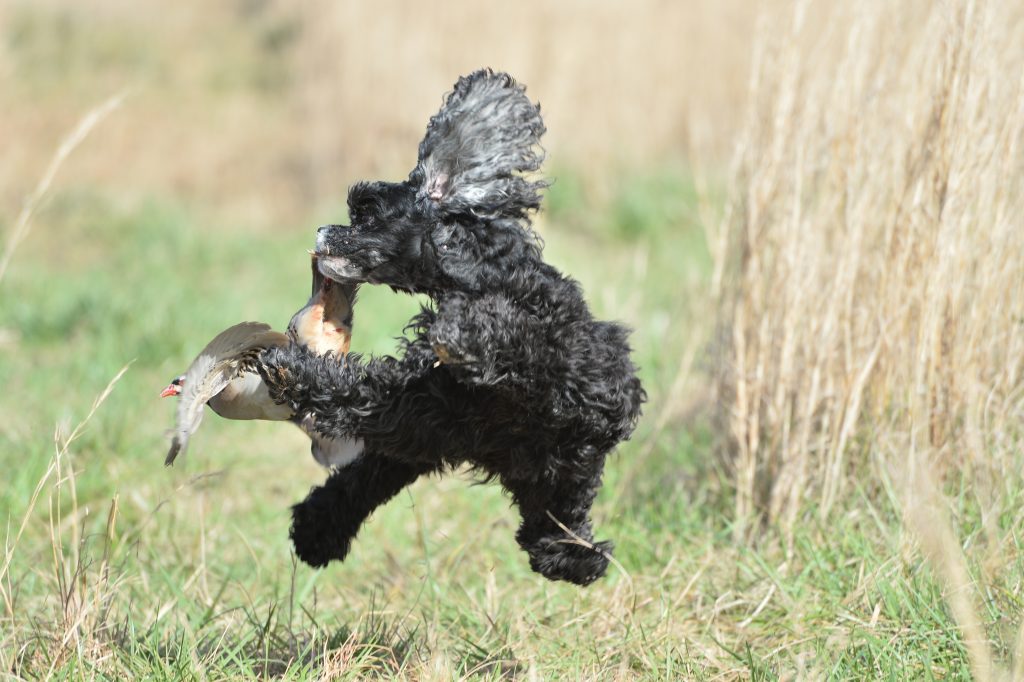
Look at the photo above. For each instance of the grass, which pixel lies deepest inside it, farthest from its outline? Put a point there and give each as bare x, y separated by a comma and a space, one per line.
129, 569
873, 251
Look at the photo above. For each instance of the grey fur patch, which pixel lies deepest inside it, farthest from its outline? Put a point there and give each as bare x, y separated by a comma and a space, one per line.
477, 147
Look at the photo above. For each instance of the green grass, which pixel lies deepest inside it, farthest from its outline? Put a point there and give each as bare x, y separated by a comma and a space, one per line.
194, 578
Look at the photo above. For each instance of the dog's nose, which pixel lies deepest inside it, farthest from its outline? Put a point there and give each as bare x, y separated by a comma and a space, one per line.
321, 239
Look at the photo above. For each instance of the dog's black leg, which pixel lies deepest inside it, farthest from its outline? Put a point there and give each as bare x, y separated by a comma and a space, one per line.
556, 528
346, 395
325, 523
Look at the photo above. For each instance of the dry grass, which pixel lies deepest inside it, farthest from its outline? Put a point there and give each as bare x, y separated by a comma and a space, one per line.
872, 303
82, 591
929, 518
871, 270
24, 220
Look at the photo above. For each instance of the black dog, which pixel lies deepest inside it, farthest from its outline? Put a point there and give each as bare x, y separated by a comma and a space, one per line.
510, 373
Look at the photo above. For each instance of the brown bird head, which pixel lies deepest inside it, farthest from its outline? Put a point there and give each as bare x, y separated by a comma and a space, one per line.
325, 323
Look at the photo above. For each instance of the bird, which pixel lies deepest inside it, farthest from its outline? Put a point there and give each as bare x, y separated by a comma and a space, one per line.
223, 375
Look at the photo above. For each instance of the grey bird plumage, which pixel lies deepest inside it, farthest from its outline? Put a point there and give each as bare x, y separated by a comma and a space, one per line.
220, 365
223, 376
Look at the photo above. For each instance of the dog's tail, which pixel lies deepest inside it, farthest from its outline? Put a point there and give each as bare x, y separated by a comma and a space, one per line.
479, 145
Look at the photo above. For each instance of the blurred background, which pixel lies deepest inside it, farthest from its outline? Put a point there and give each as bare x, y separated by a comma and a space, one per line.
268, 110
808, 212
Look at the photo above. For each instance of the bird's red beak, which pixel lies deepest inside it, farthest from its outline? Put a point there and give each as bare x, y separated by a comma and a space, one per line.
171, 389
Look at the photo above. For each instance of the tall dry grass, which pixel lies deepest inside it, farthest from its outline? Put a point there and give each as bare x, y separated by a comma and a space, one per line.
871, 271
76, 624
873, 253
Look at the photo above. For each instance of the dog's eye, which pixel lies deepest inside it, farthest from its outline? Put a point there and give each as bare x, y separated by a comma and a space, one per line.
357, 213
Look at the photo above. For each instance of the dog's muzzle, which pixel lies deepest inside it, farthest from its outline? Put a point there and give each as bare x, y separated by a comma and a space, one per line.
321, 241
340, 268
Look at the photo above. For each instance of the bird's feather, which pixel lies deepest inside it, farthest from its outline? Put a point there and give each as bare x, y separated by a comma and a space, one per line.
215, 366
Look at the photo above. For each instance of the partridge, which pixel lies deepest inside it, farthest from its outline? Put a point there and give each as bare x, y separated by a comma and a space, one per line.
223, 375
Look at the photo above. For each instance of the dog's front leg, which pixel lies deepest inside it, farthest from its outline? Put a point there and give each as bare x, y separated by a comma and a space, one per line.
369, 400
326, 387
348, 396
491, 341
326, 522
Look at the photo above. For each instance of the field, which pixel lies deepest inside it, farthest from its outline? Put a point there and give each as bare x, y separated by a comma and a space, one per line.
810, 216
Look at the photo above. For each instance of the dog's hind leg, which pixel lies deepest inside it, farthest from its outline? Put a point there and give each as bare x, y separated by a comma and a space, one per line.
326, 522
556, 529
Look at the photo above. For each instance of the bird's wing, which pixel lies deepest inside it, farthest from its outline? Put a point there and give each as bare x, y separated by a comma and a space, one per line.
212, 370
240, 338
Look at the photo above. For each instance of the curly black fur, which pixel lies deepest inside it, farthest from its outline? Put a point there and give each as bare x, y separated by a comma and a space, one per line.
509, 371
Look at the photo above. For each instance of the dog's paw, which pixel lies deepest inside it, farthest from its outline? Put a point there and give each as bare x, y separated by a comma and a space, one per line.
274, 367
449, 343
447, 355
568, 560
315, 535
290, 374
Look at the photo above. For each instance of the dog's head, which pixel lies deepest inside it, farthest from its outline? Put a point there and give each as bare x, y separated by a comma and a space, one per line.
461, 219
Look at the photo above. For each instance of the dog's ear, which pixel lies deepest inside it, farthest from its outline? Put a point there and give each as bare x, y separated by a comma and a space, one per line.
477, 147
